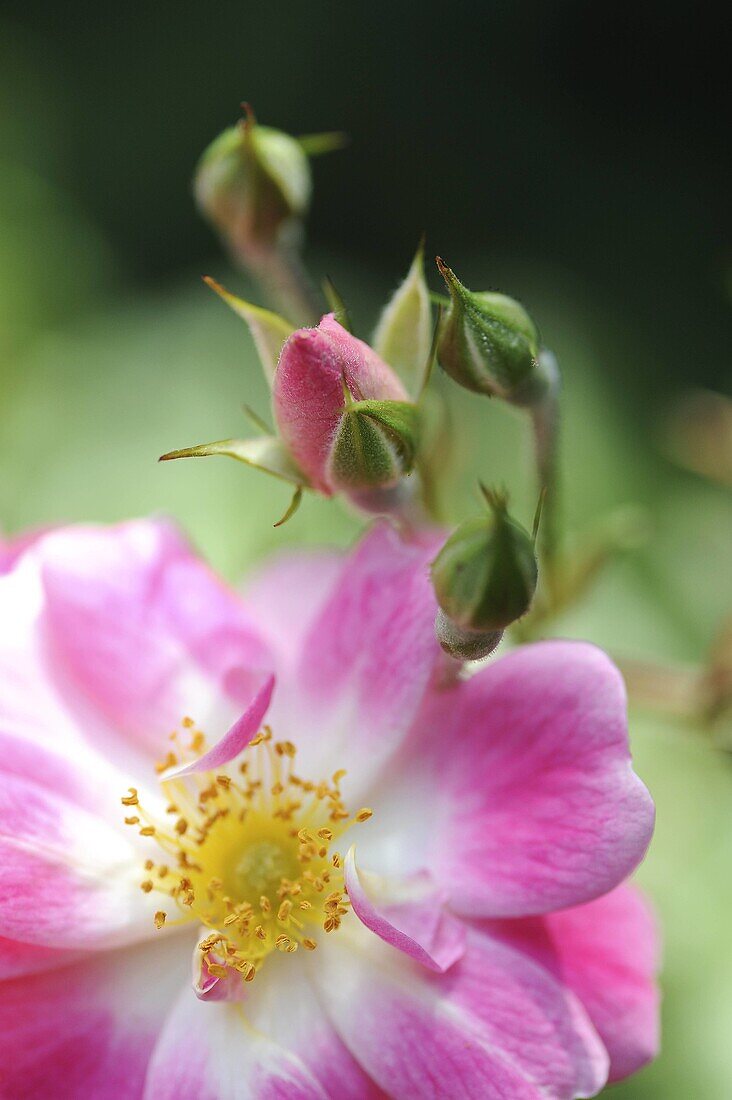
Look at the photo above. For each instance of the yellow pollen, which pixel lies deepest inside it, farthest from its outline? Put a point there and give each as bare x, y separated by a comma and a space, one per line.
248, 854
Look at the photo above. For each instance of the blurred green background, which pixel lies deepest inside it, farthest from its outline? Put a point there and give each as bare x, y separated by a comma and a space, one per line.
567, 154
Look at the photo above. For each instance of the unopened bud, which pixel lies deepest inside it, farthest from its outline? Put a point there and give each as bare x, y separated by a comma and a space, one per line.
484, 579
253, 183
489, 344
342, 412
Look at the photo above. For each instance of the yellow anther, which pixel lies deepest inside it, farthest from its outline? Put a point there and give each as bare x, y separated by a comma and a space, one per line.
224, 781
131, 799
264, 904
325, 834
309, 945
306, 905
149, 865
181, 826
260, 933
284, 910
132, 821
188, 723
147, 830
146, 886
336, 861
159, 919
169, 762
216, 969
364, 814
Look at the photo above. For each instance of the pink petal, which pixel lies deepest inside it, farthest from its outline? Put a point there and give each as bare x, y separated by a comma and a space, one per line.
233, 742
539, 806
409, 915
145, 630
308, 391
13, 548
277, 1040
42, 737
365, 662
286, 593
67, 879
496, 1025
607, 953
87, 1030
18, 959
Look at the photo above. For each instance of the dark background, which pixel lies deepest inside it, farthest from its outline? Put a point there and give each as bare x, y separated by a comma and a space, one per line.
588, 137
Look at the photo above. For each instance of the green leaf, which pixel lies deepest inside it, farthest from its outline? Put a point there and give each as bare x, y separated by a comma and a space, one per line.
269, 330
267, 454
404, 332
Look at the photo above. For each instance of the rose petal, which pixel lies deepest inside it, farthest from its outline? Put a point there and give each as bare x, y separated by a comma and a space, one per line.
365, 662
233, 742
409, 915
145, 630
538, 807
67, 879
284, 596
207, 1050
87, 1030
495, 1025
607, 952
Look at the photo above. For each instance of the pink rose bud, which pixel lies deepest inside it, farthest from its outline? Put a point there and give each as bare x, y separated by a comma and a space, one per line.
341, 412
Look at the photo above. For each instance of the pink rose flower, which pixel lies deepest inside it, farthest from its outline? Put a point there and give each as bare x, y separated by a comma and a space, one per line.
389, 888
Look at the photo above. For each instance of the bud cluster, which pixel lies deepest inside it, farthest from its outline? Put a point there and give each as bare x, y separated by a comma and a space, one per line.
354, 419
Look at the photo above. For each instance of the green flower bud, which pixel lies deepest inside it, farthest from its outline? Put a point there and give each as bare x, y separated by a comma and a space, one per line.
485, 575
375, 445
489, 344
253, 183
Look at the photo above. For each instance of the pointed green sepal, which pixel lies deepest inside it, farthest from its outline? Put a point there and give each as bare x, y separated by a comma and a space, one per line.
314, 145
404, 332
266, 454
291, 508
485, 575
336, 304
269, 330
489, 344
376, 444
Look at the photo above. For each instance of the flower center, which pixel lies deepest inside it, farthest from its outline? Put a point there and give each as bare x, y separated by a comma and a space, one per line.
249, 853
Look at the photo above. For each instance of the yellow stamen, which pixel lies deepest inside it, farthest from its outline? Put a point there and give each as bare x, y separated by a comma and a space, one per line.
252, 848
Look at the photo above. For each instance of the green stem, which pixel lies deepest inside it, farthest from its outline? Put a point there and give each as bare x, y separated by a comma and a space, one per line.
284, 280
545, 419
